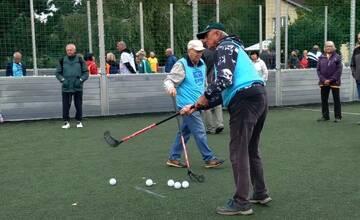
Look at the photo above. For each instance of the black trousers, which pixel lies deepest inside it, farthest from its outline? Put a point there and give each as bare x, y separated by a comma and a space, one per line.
325, 91
66, 103
248, 110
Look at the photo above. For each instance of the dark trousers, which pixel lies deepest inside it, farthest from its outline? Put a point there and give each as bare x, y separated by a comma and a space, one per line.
325, 91
66, 103
248, 110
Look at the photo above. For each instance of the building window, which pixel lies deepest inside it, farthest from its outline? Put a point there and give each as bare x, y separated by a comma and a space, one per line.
282, 23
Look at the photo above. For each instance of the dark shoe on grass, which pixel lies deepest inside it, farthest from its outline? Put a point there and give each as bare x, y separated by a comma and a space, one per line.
219, 130
322, 119
213, 163
232, 208
263, 200
175, 163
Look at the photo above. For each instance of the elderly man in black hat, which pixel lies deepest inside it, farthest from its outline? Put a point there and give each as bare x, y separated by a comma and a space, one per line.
243, 93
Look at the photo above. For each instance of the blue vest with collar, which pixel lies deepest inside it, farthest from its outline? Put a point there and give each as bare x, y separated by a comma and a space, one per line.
244, 75
193, 85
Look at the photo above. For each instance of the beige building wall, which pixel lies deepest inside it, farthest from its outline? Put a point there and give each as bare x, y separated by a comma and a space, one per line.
270, 15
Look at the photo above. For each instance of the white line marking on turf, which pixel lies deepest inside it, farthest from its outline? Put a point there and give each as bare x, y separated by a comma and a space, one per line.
150, 192
315, 110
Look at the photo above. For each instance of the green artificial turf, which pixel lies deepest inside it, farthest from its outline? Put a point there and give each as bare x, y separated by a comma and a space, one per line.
311, 168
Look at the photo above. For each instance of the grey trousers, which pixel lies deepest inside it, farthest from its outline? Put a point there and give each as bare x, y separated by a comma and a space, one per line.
248, 110
213, 118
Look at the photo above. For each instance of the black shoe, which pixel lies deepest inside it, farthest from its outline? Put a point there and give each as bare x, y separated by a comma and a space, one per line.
337, 120
232, 208
219, 130
323, 119
261, 199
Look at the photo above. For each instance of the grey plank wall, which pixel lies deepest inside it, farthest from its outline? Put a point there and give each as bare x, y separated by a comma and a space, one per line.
40, 97
301, 87
32, 97
138, 94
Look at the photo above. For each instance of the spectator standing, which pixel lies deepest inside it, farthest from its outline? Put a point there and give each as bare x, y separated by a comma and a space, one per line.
127, 61
186, 82
260, 65
213, 118
154, 63
269, 58
294, 60
112, 67
304, 61
329, 71
72, 73
355, 66
170, 60
314, 55
16, 68
143, 64
91, 65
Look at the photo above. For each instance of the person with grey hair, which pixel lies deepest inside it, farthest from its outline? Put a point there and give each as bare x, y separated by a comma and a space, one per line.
170, 60
72, 72
329, 69
186, 82
16, 68
127, 61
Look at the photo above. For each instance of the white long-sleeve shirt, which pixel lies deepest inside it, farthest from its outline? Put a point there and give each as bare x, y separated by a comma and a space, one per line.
260, 66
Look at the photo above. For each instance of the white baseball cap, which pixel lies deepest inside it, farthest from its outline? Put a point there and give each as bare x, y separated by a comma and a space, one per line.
196, 45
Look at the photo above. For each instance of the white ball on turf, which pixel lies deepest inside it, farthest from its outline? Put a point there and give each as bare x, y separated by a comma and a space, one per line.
177, 185
149, 182
170, 182
112, 181
185, 184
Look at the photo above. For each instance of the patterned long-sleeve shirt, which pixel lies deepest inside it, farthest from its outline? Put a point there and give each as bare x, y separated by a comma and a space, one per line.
225, 62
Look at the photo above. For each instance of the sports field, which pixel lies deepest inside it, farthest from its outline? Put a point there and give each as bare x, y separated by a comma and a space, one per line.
312, 169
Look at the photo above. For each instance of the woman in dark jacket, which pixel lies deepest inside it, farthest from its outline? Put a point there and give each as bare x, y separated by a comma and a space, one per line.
329, 70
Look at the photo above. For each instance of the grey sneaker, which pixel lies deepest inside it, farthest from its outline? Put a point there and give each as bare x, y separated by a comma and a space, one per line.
232, 208
263, 200
337, 120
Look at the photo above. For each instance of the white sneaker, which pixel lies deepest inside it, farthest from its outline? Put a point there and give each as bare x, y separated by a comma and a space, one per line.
66, 125
79, 124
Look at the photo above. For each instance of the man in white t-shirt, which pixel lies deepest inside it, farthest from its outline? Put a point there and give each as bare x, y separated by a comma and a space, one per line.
127, 63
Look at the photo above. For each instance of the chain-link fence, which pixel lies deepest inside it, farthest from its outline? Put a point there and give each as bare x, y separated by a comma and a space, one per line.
146, 24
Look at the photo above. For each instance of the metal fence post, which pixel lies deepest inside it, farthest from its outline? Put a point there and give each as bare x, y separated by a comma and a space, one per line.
33, 38
141, 13
260, 29
278, 55
352, 45
286, 49
195, 18
326, 24
89, 25
172, 26
104, 98
217, 11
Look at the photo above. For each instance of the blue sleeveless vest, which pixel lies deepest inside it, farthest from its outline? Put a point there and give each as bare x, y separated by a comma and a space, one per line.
193, 86
244, 75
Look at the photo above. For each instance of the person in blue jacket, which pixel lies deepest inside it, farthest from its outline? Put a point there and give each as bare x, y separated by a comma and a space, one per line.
16, 68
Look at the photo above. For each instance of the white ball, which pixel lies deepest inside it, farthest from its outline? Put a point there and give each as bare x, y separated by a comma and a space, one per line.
177, 185
149, 182
170, 182
185, 184
112, 181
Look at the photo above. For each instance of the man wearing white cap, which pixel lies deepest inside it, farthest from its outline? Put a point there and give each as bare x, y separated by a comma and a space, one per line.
186, 82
